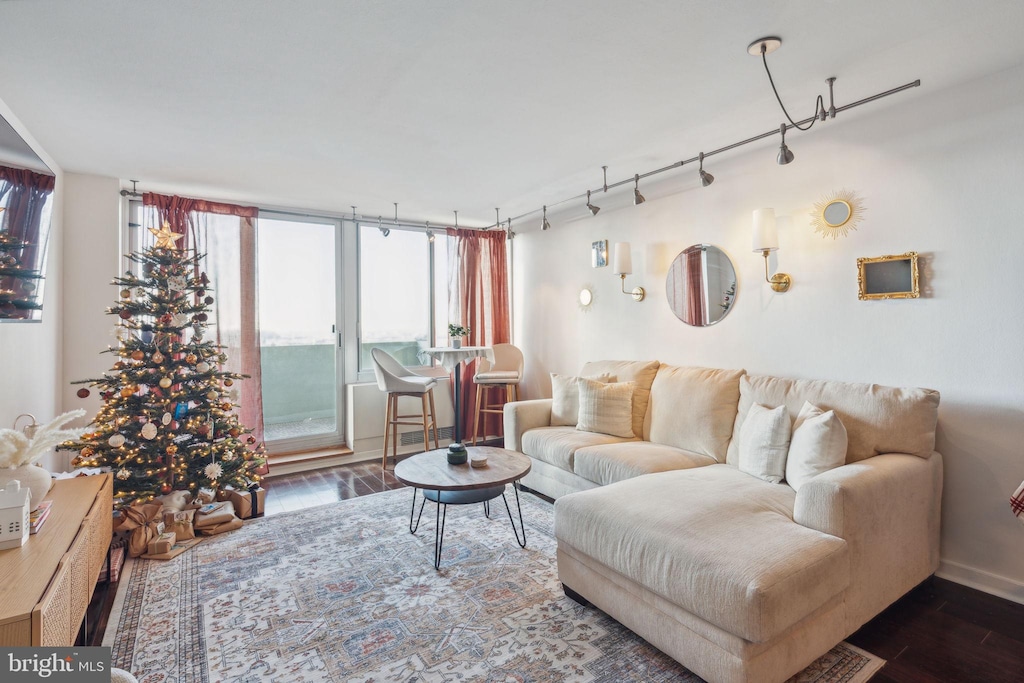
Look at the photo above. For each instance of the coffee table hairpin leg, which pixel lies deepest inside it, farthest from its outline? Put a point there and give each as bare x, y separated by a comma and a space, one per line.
515, 488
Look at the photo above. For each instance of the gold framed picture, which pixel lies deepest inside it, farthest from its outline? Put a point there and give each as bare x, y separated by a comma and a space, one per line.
889, 277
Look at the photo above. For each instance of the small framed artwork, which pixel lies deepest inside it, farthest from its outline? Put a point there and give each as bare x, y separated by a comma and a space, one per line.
599, 254
889, 277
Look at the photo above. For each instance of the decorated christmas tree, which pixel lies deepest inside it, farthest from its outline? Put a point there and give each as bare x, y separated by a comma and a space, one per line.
17, 283
167, 422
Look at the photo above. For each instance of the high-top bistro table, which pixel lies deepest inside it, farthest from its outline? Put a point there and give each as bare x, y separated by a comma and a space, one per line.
463, 484
451, 358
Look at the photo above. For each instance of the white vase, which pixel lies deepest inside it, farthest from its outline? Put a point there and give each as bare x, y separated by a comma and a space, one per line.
456, 343
32, 477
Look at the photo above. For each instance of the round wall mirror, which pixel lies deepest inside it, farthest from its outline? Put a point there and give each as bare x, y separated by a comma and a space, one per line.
586, 297
701, 285
836, 213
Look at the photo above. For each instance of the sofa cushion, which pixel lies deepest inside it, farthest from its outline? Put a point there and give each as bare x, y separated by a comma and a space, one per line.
715, 541
764, 443
565, 398
640, 372
609, 463
606, 408
878, 419
556, 445
818, 445
693, 409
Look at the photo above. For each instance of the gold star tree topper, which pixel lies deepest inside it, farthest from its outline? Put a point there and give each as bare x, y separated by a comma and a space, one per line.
165, 237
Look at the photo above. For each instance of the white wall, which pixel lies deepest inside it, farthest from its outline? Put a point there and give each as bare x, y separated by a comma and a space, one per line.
939, 174
30, 352
93, 249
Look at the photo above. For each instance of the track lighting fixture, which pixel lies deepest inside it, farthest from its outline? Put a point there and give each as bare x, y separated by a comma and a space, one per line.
456, 219
593, 209
544, 223
380, 226
785, 155
705, 177
430, 233
638, 198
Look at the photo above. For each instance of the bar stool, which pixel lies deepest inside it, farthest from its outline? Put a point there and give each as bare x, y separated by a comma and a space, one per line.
398, 381
506, 371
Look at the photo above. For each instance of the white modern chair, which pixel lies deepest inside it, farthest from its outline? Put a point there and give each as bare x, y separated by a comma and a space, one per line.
397, 380
506, 371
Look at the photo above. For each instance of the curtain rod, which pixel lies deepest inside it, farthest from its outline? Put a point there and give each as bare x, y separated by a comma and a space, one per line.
370, 221
678, 164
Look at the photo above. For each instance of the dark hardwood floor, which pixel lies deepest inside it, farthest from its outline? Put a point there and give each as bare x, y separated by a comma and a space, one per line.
939, 632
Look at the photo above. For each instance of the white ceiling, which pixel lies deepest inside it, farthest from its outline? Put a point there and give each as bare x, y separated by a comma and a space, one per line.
442, 105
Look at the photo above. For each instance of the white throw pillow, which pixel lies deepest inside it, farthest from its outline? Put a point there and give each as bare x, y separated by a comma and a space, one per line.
819, 444
565, 398
606, 408
764, 443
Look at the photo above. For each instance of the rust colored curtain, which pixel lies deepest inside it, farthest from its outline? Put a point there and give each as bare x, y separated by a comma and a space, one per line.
695, 286
226, 233
478, 298
24, 195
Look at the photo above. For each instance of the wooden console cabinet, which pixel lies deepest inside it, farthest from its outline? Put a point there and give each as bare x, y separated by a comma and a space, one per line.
46, 584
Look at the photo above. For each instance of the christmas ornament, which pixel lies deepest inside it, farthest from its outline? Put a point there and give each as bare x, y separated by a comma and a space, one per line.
176, 283
180, 410
172, 449
204, 279
208, 300
165, 488
179, 320
212, 395
83, 393
203, 429
127, 391
137, 354
149, 431
116, 440
125, 314
158, 357
87, 452
165, 237
228, 382
213, 471
228, 457
166, 419
191, 359
139, 293
251, 440
126, 294
234, 431
202, 317
166, 382
123, 474
203, 366
166, 319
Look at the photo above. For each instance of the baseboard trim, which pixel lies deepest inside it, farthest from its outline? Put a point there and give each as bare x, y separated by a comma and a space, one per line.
981, 580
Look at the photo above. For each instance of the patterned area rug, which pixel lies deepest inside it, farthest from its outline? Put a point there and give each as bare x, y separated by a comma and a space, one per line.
344, 592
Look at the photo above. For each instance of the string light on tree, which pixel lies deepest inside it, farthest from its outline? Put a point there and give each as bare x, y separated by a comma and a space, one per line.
167, 421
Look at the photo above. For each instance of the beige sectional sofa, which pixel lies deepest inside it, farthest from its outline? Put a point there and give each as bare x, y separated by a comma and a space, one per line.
737, 578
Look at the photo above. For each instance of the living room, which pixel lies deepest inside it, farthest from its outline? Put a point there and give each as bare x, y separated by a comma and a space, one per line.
519, 108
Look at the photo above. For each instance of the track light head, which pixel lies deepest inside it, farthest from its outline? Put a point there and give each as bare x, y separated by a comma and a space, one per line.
705, 177
593, 209
638, 198
785, 156
544, 223
385, 231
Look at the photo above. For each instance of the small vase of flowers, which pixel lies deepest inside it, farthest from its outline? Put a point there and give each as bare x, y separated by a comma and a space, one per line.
457, 332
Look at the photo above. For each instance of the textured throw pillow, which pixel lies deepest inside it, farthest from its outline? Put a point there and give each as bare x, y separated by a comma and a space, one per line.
606, 408
819, 445
565, 398
764, 443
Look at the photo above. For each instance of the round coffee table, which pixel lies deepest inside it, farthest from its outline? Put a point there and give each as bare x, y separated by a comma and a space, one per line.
446, 485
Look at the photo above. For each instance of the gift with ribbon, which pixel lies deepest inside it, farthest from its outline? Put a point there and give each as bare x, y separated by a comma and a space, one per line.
180, 522
143, 523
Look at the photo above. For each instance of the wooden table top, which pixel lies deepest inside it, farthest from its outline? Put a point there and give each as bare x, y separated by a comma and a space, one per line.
431, 470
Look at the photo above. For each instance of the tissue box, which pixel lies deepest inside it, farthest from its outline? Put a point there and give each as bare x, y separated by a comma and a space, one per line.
246, 503
162, 543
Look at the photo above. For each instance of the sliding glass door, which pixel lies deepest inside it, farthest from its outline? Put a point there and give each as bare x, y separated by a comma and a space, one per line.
299, 288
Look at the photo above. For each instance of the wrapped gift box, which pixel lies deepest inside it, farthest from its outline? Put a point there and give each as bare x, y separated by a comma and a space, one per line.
246, 503
162, 543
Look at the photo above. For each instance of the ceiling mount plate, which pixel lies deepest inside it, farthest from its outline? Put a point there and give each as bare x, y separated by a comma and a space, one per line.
771, 44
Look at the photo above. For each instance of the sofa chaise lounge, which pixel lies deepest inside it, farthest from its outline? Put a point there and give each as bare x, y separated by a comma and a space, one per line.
735, 577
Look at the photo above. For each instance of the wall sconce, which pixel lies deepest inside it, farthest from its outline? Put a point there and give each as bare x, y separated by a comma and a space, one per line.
622, 263
766, 240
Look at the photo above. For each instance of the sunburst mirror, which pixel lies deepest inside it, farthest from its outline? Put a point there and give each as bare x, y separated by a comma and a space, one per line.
837, 214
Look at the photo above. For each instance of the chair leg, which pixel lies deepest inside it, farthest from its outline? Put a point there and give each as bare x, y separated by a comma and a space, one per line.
476, 413
387, 431
426, 436
433, 417
394, 429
